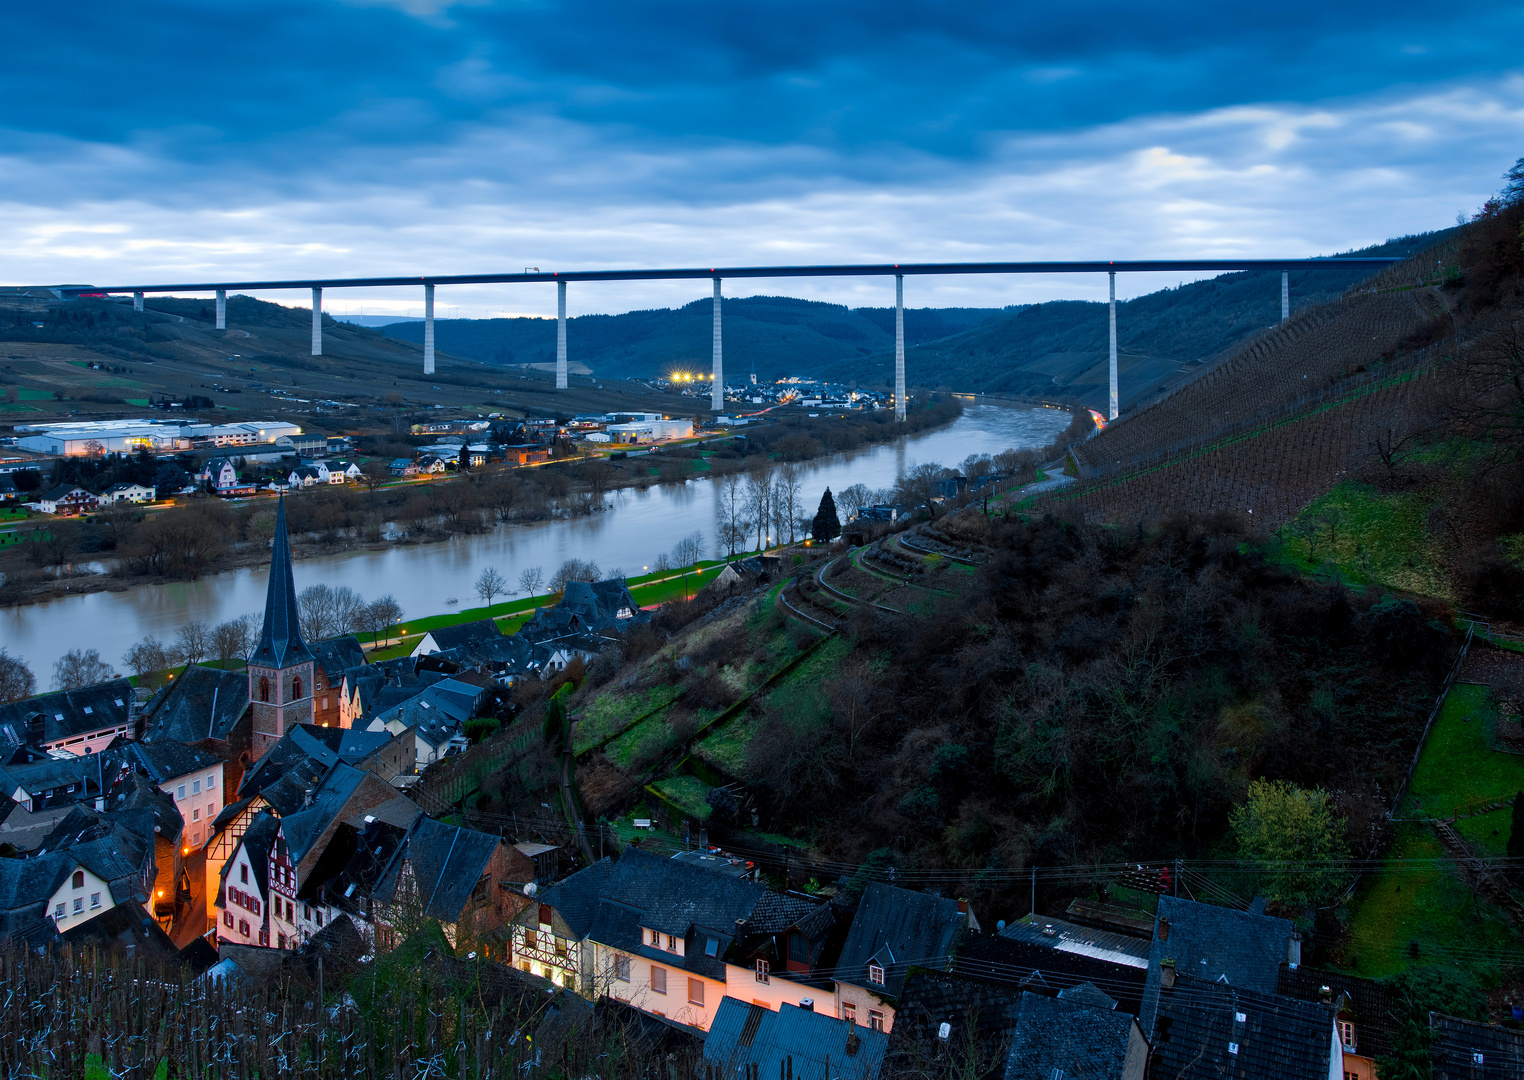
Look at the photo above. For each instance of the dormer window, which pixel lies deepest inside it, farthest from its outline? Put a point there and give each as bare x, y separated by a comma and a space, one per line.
1347, 1036
671, 943
656, 938
762, 970
876, 974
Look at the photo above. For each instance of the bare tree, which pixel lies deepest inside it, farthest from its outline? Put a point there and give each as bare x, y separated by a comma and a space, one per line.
854, 498
574, 570
733, 523
16, 679
759, 504
689, 550
531, 579
193, 641
921, 485
786, 492
490, 583
234, 639
150, 657
662, 563
382, 614
977, 465
81, 667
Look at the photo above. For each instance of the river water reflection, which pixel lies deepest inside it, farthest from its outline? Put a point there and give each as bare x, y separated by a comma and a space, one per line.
637, 527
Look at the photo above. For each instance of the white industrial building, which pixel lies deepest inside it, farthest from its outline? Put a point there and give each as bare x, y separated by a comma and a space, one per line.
650, 431
83, 437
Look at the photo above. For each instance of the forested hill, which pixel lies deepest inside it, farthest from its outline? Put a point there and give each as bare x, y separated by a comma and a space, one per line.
1057, 349
781, 335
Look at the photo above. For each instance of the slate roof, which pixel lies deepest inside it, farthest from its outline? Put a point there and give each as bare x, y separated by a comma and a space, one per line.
298, 761
743, 1034
352, 745
989, 956
203, 703
576, 896
1198, 1033
337, 655
896, 928
1059, 1037
126, 926
116, 848
373, 850
1368, 1004
1071, 937
1458, 1043
450, 637
1210, 942
164, 761
973, 1008
49, 775
447, 863
506, 653
68, 713
280, 639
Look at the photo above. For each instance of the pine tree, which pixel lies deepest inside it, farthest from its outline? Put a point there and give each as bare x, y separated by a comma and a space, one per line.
826, 526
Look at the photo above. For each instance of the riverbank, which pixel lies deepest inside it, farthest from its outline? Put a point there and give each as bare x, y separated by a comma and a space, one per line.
207, 537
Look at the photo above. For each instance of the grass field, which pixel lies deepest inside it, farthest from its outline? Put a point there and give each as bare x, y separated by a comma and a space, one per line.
1373, 537
688, 793
1417, 897
610, 712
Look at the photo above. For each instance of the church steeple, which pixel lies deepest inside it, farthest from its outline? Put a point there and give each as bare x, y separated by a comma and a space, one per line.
281, 668
280, 642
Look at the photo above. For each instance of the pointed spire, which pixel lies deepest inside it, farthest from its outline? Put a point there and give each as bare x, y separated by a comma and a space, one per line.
280, 642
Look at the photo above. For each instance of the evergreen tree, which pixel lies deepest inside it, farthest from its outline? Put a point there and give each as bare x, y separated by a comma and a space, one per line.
826, 526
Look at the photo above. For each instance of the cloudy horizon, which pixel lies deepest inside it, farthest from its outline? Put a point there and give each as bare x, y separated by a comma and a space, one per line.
175, 140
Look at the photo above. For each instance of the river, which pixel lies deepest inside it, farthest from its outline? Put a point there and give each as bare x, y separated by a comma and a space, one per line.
638, 526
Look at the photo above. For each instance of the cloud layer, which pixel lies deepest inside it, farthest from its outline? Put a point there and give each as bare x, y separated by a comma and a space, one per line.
174, 141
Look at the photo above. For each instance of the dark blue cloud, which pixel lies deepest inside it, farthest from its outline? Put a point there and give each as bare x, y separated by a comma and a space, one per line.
217, 81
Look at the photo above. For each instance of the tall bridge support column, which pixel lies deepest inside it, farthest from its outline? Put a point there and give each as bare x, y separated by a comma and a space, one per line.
222, 309
1285, 295
317, 322
428, 329
560, 335
137, 301
1112, 415
899, 347
717, 390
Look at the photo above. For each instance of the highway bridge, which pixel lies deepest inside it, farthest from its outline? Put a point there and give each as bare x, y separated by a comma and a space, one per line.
899, 271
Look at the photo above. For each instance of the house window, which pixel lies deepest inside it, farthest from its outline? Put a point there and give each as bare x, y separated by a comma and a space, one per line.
655, 939
671, 943
227, 919
196, 814
762, 969
658, 979
696, 992
1347, 1036
211, 781
622, 968
58, 912
306, 911
875, 1020
264, 689
264, 937
243, 927
79, 904
95, 900
875, 974
319, 919
849, 1012
180, 792
79, 879
280, 941
243, 874
195, 787
296, 689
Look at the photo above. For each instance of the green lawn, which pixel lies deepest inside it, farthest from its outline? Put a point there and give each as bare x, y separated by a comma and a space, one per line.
1426, 903
610, 712
1374, 537
688, 793
1457, 768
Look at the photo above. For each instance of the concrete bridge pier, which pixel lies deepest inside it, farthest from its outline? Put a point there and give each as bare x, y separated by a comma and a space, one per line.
1112, 415
560, 335
317, 321
428, 329
717, 389
137, 301
1285, 295
899, 347
222, 309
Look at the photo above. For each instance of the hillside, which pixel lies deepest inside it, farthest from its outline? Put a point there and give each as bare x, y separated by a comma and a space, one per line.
779, 334
99, 358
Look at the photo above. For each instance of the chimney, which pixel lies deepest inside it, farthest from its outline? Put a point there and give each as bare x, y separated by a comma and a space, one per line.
853, 1042
1167, 974
1294, 951
807, 1004
962, 907
1163, 929
1325, 995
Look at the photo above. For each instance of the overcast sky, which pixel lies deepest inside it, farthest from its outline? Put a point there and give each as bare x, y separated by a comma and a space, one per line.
165, 140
